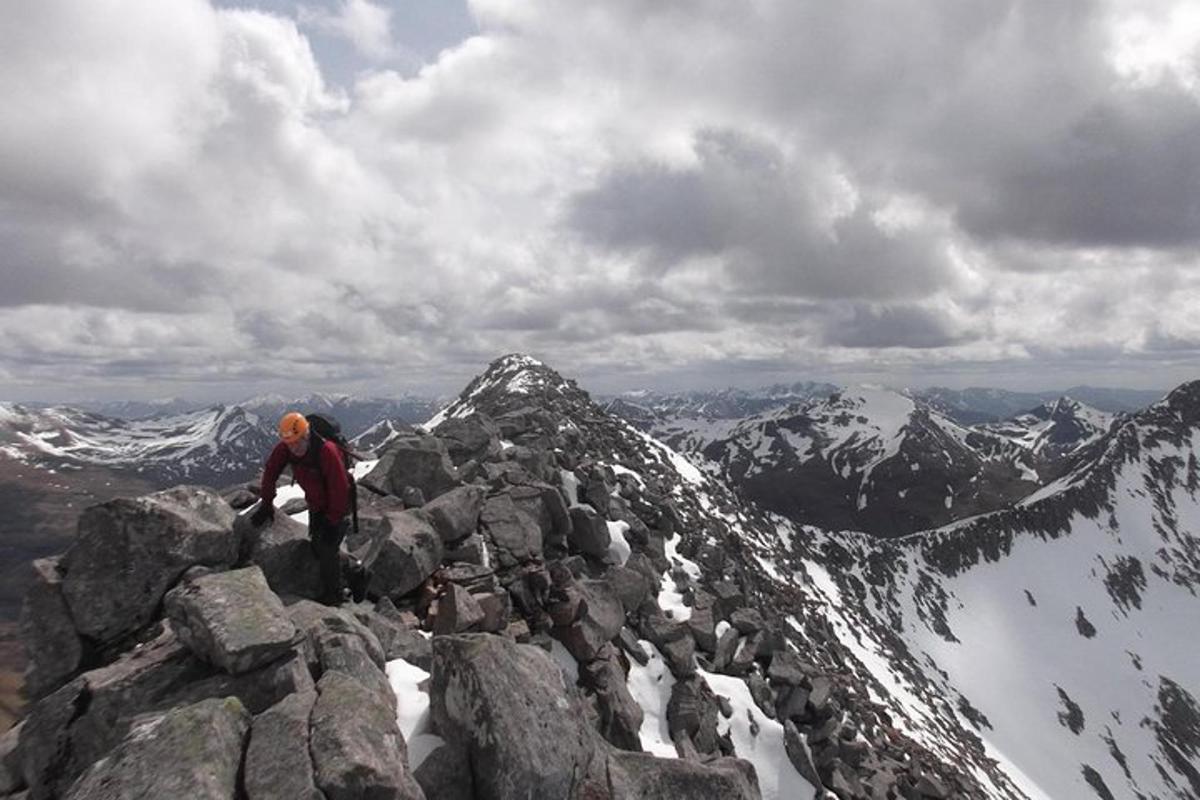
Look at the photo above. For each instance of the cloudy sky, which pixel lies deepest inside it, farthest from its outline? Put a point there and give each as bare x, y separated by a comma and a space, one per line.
212, 199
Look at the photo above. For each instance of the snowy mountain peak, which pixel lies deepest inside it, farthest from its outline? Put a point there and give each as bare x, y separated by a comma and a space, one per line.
509, 383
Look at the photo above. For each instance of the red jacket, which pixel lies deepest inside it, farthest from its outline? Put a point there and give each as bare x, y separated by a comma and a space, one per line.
326, 488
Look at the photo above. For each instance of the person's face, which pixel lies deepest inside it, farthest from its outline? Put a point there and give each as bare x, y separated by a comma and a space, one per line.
299, 447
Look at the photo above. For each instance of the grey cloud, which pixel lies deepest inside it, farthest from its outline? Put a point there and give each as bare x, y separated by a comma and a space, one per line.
886, 327
748, 204
1127, 173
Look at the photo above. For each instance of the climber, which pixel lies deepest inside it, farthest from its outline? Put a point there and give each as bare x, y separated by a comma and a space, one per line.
318, 467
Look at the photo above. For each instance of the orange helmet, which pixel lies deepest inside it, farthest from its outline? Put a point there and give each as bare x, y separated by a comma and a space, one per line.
293, 427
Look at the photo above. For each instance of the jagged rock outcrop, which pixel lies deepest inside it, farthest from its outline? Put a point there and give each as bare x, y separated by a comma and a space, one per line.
576, 531
129, 552
52, 644
418, 461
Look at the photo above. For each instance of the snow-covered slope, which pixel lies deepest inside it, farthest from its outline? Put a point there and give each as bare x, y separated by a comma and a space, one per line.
1054, 430
218, 446
1060, 631
872, 460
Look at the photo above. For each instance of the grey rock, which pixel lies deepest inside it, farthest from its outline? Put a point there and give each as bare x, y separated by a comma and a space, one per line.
640, 776
48, 632
314, 621
475, 578
445, 774
473, 437
761, 692
347, 654
497, 610
11, 779
931, 786
129, 552
692, 714
45, 743
799, 754
412, 497
278, 763
604, 607
589, 532
747, 651
786, 669
821, 694
410, 553
793, 704
728, 598
514, 534
583, 639
703, 628
747, 621
630, 585
471, 550
674, 640
507, 707
397, 640
240, 497
455, 514
282, 551
194, 751
620, 716
419, 460
356, 745
726, 646
293, 506
631, 645
258, 689
231, 619
457, 611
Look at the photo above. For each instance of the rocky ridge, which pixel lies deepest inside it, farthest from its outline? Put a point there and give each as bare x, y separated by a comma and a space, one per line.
527, 534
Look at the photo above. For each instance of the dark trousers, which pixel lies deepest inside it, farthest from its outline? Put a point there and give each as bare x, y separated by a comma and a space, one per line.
326, 541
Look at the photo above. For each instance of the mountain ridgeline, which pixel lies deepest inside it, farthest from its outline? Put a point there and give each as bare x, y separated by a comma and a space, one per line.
848, 594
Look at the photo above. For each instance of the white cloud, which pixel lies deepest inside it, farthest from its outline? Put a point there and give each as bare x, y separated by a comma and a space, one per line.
366, 25
768, 187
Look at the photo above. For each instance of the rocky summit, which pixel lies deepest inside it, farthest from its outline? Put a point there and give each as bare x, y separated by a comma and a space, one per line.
563, 606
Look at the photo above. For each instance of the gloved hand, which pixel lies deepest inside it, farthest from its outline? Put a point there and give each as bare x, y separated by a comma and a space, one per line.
264, 512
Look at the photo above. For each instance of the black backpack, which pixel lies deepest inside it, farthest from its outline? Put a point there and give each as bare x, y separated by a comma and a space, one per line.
329, 429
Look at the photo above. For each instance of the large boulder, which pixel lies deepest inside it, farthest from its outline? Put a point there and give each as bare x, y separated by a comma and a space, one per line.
356, 744
508, 707
231, 619
409, 554
640, 776
516, 537
194, 751
282, 551
48, 632
418, 460
473, 437
278, 763
455, 514
315, 621
620, 716
129, 552
589, 532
